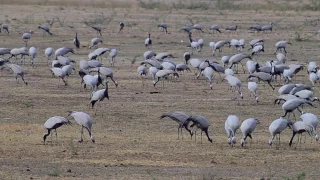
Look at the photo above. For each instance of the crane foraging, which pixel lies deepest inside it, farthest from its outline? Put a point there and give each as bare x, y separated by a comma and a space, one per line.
99, 96
276, 127
85, 121
97, 28
148, 41
263, 77
292, 104
235, 84
17, 71
298, 127
180, 117
46, 29
58, 72
95, 42
231, 126
54, 123
201, 123
162, 74
247, 127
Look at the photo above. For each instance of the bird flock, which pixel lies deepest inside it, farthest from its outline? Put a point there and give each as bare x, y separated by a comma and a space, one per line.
162, 66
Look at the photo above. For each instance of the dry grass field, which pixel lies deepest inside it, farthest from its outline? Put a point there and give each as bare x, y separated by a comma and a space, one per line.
131, 141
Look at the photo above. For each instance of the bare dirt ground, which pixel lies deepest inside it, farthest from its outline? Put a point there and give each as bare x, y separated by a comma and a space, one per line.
131, 141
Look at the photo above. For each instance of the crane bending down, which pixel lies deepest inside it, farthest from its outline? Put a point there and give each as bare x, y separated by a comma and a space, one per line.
54, 123
85, 121
180, 118
201, 123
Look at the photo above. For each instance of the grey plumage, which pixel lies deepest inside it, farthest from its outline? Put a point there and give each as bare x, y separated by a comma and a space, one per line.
54, 123
201, 123
85, 121
180, 118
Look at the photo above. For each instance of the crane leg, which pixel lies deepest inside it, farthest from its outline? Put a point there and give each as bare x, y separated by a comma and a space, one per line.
178, 132
201, 136
81, 139
56, 135
51, 139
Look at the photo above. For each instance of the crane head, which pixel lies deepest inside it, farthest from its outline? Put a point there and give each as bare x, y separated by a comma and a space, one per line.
242, 142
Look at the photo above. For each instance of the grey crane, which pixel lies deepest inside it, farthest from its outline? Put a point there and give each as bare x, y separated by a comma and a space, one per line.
63, 51
187, 57
228, 72
95, 42
219, 46
276, 127
17, 71
313, 78
215, 28
281, 58
162, 74
217, 68
99, 96
45, 28
105, 73
267, 27
255, 27
197, 27
263, 77
32, 54
247, 127
26, 37
235, 84
64, 60
277, 70
148, 41
231, 126
182, 67
163, 55
58, 72
282, 45
121, 26
163, 26
76, 41
94, 64
201, 123
292, 104
4, 51
285, 89
225, 60
149, 55
298, 127
311, 121
312, 67
253, 87
212, 45
208, 73
142, 70
168, 66
97, 28
48, 52
251, 66
153, 63
179, 117
85, 121
153, 71
257, 49
54, 123
113, 53
284, 97
300, 87
19, 51
307, 95
5, 27
255, 42
186, 28
68, 69
237, 58
232, 28
99, 52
